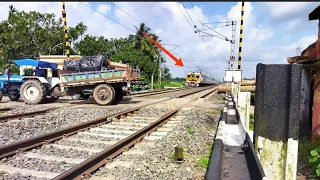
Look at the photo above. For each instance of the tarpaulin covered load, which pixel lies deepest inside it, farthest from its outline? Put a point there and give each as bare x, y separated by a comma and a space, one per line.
71, 65
86, 63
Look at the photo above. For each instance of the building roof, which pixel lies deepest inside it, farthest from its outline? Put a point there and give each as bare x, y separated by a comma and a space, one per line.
315, 14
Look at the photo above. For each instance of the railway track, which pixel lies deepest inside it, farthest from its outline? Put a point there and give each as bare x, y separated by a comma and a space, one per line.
149, 93
26, 114
77, 151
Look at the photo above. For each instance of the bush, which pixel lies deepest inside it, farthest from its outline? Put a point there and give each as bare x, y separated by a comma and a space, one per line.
314, 160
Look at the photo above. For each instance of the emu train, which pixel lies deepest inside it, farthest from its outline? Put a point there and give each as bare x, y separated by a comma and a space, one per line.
196, 79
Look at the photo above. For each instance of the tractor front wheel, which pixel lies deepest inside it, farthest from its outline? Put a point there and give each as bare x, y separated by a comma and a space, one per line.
14, 96
33, 92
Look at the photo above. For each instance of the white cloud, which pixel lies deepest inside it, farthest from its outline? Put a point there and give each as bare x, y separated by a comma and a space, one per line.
282, 11
293, 23
166, 19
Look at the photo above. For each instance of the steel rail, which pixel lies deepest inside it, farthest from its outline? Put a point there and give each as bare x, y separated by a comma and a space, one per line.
203, 89
157, 92
90, 165
29, 143
12, 116
5, 109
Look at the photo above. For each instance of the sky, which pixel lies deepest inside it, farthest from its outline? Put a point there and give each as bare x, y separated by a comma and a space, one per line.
272, 31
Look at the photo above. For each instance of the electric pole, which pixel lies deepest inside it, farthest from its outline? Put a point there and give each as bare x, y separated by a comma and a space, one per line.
233, 40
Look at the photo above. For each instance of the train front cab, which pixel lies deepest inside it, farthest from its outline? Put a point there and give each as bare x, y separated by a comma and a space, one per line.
193, 79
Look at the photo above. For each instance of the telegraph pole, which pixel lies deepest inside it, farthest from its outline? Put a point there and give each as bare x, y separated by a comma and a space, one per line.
233, 40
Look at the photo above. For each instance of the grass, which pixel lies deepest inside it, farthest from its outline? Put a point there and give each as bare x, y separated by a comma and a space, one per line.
174, 84
204, 160
171, 155
251, 126
191, 131
251, 116
215, 112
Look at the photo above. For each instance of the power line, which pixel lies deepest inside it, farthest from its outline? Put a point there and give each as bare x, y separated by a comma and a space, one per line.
185, 16
137, 20
195, 10
214, 31
217, 22
189, 15
125, 12
194, 26
107, 17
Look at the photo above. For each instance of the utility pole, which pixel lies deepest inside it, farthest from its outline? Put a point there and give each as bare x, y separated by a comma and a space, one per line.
159, 76
233, 40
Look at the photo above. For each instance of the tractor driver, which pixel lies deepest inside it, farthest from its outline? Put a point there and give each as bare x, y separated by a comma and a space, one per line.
39, 72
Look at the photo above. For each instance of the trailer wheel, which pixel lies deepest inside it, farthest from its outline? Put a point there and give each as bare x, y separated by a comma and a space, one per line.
33, 92
14, 96
0, 95
119, 95
104, 94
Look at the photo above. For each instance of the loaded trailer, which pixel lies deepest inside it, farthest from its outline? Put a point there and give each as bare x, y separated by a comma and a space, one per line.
106, 87
94, 77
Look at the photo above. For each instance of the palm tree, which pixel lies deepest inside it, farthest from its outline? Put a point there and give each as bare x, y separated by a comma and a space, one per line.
12, 10
139, 40
141, 43
81, 28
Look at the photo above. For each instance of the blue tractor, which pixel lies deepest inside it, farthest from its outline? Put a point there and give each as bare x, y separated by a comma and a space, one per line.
33, 88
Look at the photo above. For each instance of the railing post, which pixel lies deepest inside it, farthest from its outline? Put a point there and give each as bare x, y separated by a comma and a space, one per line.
276, 119
244, 108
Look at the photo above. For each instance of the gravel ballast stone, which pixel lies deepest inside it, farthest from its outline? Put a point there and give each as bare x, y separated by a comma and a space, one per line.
194, 133
62, 118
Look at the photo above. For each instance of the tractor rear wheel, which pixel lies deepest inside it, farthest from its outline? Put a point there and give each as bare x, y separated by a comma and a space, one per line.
33, 92
103, 94
14, 96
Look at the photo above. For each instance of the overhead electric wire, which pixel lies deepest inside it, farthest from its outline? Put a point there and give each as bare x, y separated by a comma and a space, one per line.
213, 30
136, 19
195, 10
184, 15
195, 27
107, 16
189, 15
125, 12
217, 22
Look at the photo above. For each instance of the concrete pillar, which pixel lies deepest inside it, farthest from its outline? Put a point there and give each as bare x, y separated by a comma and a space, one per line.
277, 117
244, 109
235, 90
